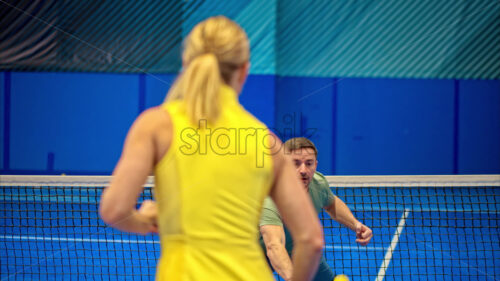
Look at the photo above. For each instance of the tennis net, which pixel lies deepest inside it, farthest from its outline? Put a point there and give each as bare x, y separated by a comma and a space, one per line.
425, 228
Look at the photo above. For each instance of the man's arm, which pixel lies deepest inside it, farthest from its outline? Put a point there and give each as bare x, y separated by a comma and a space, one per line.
274, 239
339, 211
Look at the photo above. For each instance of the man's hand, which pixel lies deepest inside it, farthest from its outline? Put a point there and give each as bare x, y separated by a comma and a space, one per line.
149, 212
363, 234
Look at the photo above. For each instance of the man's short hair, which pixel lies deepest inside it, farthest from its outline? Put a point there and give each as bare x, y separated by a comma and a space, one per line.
299, 143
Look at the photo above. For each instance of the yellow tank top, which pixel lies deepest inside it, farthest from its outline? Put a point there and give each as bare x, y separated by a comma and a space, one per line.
210, 187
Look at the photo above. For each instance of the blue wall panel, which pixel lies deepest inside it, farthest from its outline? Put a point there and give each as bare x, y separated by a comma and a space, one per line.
258, 97
2, 118
304, 109
70, 121
391, 126
76, 122
157, 86
479, 127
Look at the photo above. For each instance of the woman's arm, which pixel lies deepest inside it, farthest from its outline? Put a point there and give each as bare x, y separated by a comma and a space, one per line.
118, 201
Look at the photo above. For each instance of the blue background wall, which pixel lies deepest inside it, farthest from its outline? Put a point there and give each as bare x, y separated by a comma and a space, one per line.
395, 126
75, 123
478, 136
368, 126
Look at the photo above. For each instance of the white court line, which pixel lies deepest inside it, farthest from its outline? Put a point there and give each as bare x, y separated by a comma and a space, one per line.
97, 240
392, 247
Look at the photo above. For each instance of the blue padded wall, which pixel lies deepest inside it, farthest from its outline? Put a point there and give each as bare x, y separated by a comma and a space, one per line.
304, 109
2, 119
479, 127
156, 88
391, 126
258, 97
73, 122
76, 122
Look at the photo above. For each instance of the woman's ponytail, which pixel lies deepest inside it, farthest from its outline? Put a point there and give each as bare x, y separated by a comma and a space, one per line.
198, 86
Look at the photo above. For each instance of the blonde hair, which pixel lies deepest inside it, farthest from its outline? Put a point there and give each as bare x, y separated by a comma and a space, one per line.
213, 51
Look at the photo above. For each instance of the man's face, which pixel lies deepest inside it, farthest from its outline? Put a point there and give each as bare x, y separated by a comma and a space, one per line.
305, 164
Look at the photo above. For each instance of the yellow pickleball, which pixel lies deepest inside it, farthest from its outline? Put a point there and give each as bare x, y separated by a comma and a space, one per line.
341, 277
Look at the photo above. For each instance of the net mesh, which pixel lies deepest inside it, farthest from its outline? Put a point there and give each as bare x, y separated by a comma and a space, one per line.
425, 228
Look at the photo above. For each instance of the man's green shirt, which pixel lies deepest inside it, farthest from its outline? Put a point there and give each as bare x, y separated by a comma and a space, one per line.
321, 196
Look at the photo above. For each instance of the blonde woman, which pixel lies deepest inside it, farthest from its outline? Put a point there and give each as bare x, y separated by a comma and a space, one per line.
214, 164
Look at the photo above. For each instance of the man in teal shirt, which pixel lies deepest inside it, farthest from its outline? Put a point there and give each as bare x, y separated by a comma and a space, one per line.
277, 241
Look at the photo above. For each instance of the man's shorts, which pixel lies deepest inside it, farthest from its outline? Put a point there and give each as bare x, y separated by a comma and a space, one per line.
324, 272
